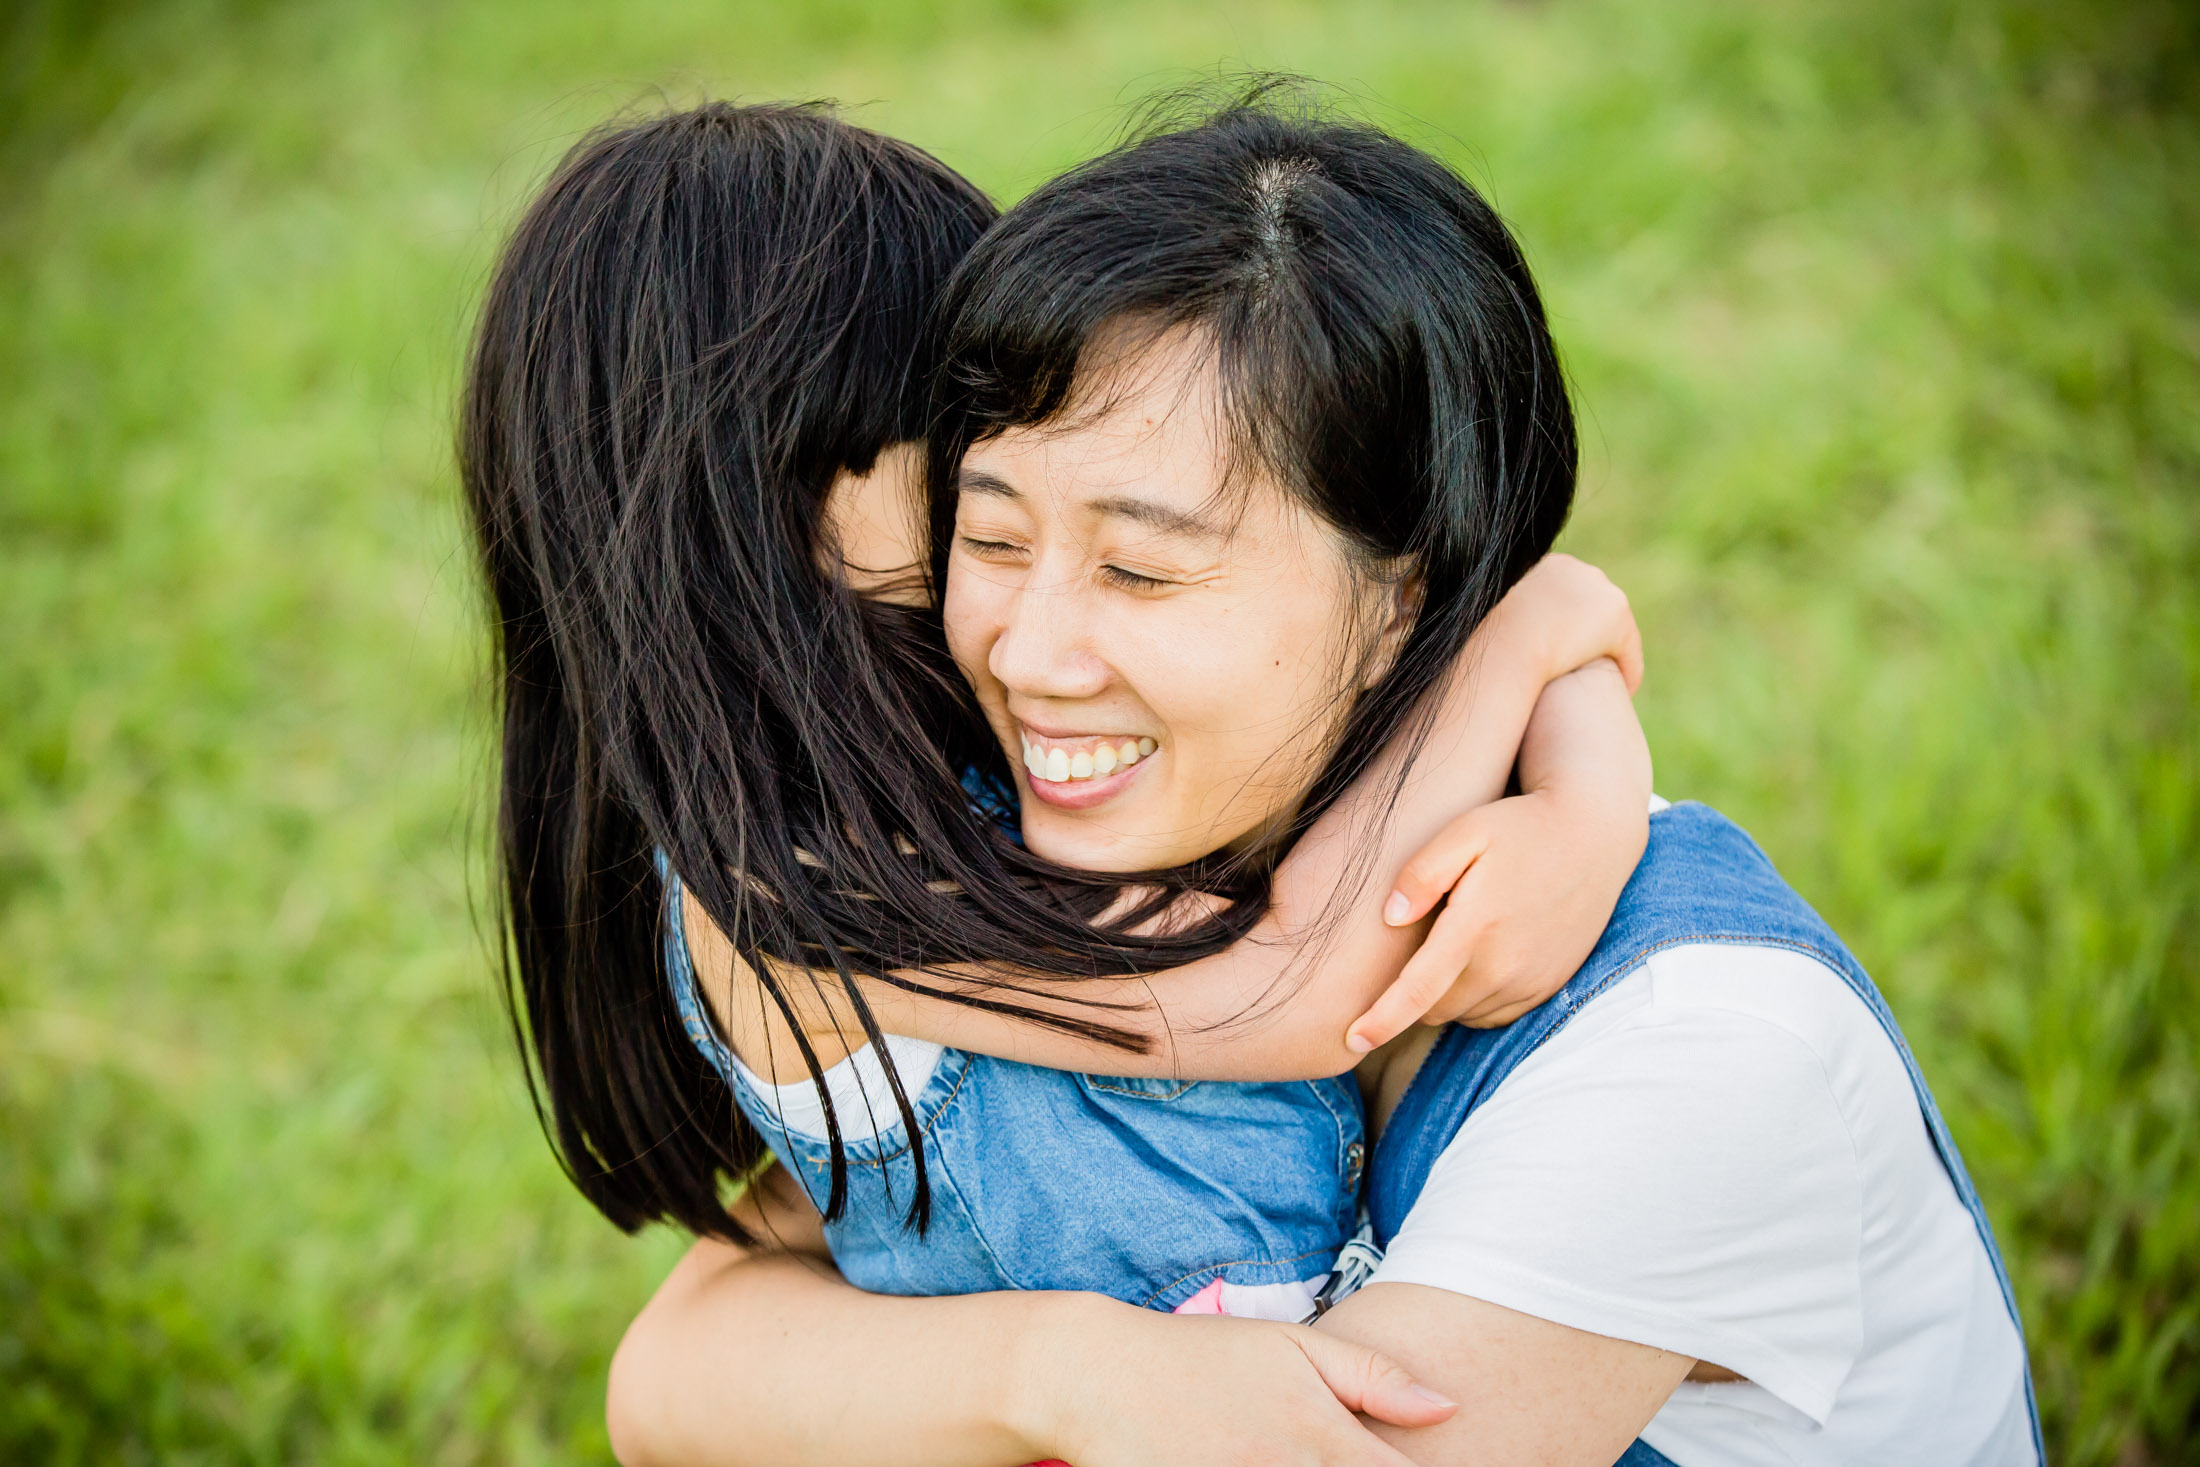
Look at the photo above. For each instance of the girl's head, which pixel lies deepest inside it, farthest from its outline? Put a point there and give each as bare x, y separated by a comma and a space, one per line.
714, 313
1244, 428
704, 323
686, 434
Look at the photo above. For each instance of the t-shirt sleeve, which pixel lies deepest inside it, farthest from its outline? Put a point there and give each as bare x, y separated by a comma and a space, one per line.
1681, 1178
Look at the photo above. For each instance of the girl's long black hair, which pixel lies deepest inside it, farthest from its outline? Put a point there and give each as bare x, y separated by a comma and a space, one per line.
701, 321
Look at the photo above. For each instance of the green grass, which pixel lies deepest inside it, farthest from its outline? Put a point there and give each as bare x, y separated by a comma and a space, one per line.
1885, 321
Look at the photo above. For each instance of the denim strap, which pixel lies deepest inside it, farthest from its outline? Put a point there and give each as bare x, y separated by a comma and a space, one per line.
1702, 880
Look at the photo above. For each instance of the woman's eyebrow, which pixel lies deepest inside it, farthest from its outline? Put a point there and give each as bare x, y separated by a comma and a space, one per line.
1165, 518
978, 481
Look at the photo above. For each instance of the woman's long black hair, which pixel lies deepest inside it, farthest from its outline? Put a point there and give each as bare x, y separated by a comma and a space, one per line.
1379, 342
706, 317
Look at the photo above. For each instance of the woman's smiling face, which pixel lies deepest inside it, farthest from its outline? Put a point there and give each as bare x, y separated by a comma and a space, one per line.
1164, 652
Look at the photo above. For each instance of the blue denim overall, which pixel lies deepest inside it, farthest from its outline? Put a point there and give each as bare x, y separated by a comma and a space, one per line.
1702, 880
1148, 1190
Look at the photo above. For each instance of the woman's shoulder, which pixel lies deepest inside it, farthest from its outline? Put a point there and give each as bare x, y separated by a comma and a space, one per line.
1785, 1014
1726, 1027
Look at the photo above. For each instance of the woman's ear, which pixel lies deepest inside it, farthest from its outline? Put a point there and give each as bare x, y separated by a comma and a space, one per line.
1398, 608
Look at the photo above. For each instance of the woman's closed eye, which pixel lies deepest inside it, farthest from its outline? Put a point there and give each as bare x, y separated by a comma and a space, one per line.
1130, 580
985, 549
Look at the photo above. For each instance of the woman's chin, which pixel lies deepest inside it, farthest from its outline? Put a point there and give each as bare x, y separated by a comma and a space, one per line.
1082, 850
1091, 837
1099, 842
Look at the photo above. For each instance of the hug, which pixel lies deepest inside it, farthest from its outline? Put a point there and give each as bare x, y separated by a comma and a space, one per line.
1059, 812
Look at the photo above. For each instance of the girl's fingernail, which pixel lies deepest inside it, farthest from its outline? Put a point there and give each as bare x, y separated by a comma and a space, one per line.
1358, 1043
1431, 1397
1394, 910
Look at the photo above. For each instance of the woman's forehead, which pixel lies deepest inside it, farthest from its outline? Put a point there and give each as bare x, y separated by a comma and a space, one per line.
1143, 439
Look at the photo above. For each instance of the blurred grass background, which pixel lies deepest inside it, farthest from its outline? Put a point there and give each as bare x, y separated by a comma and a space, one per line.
1885, 320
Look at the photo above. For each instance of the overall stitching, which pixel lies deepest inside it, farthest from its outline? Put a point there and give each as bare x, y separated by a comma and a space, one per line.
1213, 1270
1101, 1083
1599, 988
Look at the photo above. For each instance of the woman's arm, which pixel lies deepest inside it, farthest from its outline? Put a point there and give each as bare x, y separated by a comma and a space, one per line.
744, 1358
770, 1359
1529, 1391
764, 1358
1281, 1003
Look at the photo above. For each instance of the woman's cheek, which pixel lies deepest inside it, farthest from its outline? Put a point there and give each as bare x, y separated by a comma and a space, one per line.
970, 618
1228, 715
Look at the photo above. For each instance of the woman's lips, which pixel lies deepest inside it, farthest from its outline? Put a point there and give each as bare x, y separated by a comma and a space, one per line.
1078, 771
1082, 794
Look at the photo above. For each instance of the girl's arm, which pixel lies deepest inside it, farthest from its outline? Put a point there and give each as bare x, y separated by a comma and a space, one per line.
1292, 999
1520, 915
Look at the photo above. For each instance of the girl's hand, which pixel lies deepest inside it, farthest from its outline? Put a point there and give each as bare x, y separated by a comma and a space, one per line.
1158, 1390
1571, 614
1527, 883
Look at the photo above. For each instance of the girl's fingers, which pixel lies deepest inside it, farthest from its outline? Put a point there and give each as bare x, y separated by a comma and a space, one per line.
1630, 658
1435, 869
1462, 998
1588, 611
1428, 976
1398, 1010
1371, 1383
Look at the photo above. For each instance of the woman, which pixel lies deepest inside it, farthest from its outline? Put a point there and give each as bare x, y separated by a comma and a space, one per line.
1698, 1208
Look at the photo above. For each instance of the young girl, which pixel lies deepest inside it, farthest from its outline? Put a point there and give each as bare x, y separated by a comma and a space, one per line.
697, 378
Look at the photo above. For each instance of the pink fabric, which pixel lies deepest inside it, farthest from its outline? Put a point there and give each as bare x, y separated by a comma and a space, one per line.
1206, 1301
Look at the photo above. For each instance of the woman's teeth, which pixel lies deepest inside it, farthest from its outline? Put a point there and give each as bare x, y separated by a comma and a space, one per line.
1057, 765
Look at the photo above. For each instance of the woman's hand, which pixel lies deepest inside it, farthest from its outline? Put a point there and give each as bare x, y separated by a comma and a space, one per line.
1126, 1387
1527, 883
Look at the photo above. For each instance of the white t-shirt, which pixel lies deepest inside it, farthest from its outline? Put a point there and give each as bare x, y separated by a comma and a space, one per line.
1722, 1156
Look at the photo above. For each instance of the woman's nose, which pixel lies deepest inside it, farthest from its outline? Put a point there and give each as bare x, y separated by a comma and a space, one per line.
1044, 649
